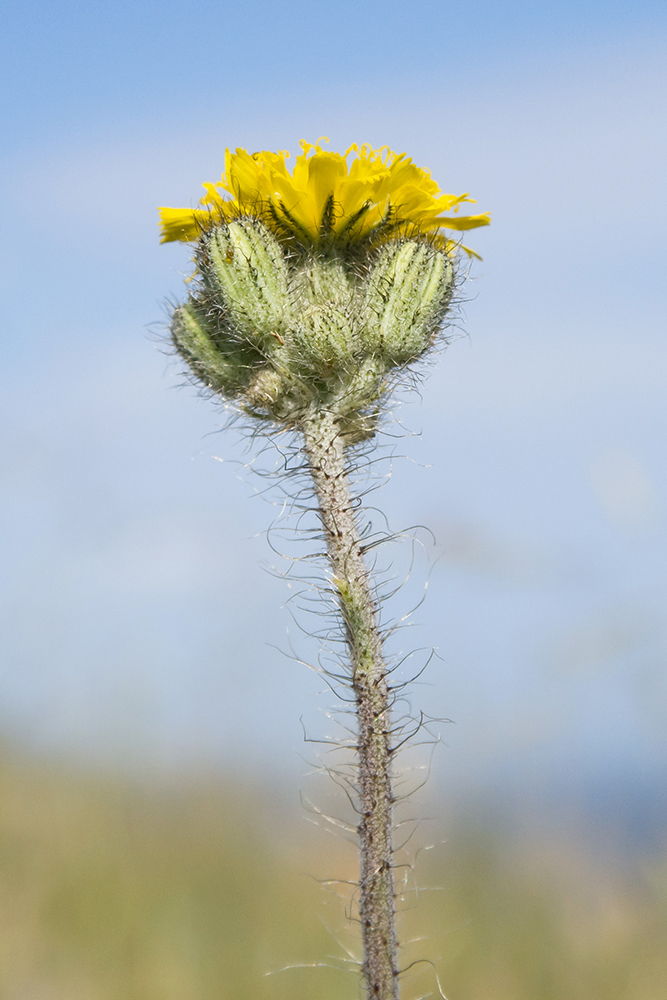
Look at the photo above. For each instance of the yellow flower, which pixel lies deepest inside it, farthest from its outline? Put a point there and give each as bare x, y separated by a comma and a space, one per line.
328, 196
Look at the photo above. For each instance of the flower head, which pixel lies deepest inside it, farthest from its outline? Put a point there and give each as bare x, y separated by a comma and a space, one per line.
328, 197
314, 289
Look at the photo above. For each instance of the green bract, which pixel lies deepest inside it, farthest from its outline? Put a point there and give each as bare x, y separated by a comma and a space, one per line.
283, 333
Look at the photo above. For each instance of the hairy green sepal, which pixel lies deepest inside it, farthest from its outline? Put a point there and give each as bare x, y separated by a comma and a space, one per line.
285, 334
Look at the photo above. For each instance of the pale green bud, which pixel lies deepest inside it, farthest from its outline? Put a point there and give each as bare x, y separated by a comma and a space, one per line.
279, 394
193, 334
323, 280
407, 294
265, 389
244, 269
324, 337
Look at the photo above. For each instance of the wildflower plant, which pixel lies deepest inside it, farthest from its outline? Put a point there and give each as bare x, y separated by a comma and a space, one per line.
314, 291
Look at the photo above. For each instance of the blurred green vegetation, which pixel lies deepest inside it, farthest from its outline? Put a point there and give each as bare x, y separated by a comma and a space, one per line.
119, 890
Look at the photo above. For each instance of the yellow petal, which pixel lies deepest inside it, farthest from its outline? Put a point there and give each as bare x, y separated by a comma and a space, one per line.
463, 222
325, 172
183, 223
391, 188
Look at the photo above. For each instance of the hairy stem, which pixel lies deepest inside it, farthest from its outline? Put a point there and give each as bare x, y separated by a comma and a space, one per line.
326, 456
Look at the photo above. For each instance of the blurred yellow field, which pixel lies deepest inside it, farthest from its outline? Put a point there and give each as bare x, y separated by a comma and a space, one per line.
113, 890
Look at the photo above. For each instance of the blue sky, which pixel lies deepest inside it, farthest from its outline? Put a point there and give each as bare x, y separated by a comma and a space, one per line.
136, 617
70, 68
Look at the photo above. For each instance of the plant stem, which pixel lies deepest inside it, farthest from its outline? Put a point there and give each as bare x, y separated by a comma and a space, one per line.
326, 456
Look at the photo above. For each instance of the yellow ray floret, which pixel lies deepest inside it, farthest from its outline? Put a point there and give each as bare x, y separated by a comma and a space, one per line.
350, 196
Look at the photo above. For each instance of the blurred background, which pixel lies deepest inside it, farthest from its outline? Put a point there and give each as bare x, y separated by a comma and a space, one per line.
153, 837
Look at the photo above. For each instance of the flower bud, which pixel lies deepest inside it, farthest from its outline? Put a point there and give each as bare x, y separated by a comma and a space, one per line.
407, 294
265, 389
244, 269
323, 280
193, 335
325, 337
